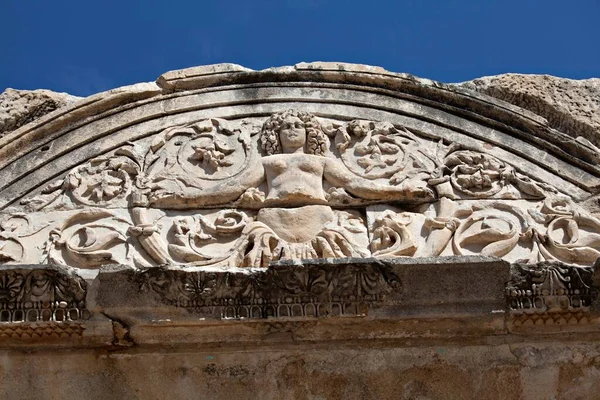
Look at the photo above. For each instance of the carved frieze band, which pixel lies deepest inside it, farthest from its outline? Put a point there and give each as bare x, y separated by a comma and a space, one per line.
38, 302
249, 192
542, 293
294, 158
551, 293
280, 291
526, 231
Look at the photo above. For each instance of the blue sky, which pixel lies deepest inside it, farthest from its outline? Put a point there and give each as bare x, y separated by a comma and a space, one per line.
83, 47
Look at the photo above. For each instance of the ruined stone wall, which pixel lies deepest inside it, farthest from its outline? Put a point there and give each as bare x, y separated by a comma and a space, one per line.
355, 371
318, 231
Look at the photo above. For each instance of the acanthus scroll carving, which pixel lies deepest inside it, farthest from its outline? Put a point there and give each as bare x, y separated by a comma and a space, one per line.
236, 238
14, 231
247, 193
571, 234
192, 232
490, 231
86, 240
102, 182
391, 236
554, 229
195, 156
380, 150
289, 161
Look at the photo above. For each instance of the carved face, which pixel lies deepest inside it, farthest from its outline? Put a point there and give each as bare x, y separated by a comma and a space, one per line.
292, 134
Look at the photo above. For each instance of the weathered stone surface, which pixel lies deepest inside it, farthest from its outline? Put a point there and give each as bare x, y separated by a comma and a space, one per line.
344, 231
438, 371
571, 106
190, 77
293, 186
19, 107
473, 287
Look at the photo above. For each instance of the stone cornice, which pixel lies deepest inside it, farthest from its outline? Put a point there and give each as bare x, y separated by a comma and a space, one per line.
318, 301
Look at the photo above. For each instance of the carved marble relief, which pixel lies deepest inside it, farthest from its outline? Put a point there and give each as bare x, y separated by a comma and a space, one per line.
41, 302
280, 291
551, 293
246, 193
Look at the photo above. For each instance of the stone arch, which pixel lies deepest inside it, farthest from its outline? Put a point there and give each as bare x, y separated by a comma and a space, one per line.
494, 154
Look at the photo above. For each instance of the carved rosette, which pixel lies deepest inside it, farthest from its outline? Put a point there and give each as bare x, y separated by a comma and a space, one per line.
466, 174
101, 182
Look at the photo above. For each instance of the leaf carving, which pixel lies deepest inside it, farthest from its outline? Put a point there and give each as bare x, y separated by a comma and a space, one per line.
86, 240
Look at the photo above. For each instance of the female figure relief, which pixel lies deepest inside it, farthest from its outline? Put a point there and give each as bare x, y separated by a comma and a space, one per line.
295, 165
294, 220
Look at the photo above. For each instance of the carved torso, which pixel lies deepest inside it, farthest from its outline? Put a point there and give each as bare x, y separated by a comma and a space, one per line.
295, 177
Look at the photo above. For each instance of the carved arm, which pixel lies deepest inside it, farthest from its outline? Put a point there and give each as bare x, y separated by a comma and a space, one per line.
408, 190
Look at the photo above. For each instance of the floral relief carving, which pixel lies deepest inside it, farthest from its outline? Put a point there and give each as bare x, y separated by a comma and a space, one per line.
217, 162
490, 231
554, 229
571, 234
550, 293
101, 182
195, 156
391, 236
233, 238
41, 295
476, 174
191, 233
290, 162
380, 150
11, 284
86, 240
212, 154
293, 186
14, 231
479, 175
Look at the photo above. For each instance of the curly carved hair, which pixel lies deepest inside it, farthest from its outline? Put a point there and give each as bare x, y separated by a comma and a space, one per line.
316, 140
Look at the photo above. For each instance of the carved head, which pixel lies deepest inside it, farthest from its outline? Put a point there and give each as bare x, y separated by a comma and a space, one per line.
359, 128
290, 130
